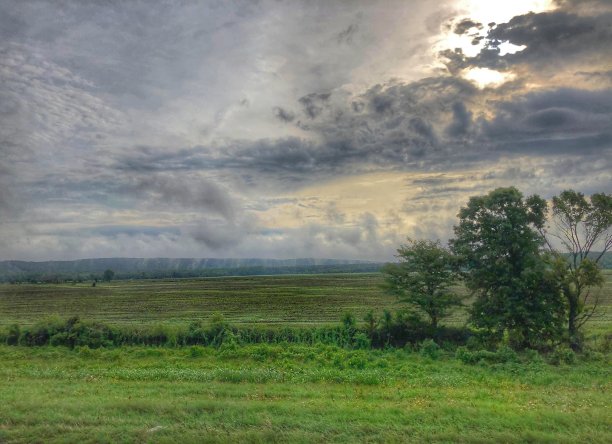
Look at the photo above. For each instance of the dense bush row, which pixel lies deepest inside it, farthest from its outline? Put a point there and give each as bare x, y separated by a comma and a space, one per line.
397, 331
389, 330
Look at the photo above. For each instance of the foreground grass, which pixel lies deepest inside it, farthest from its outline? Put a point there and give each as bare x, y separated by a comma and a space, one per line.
268, 393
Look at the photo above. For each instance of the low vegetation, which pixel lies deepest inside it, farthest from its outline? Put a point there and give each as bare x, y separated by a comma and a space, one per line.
298, 393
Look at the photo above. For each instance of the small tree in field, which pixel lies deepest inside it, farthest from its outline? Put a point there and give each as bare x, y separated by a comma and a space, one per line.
108, 275
423, 278
582, 227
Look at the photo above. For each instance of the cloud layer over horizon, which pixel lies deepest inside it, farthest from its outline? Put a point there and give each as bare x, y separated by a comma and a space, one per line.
282, 129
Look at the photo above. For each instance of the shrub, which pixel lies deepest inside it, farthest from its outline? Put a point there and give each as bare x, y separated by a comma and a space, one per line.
506, 354
502, 356
196, 351
12, 336
533, 356
430, 349
362, 341
562, 355
41, 332
594, 356
357, 361
59, 339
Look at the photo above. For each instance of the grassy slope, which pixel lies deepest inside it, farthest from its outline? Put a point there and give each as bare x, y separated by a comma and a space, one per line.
295, 394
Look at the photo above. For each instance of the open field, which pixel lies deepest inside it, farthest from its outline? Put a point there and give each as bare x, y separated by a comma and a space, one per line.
278, 300
278, 393
294, 394
296, 299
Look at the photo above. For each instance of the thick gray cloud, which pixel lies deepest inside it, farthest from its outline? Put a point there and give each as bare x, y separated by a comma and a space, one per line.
392, 126
189, 129
166, 190
554, 122
572, 35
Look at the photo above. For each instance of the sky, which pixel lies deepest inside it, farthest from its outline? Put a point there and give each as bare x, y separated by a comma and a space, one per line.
286, 129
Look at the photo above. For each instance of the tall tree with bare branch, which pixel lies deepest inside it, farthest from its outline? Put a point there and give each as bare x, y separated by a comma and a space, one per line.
582, 227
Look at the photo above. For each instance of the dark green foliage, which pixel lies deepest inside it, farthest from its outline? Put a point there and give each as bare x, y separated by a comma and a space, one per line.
108, 275
408, 328
423, 278
395, 331
514, 284
429, 349
371, 323
361, 341
562, 355
503, 355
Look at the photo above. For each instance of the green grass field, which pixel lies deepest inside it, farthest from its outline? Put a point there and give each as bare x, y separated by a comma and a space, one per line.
278, 393
304, 394
299, 299
279, 300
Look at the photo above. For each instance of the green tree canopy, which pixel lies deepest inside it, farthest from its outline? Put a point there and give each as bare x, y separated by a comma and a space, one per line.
423, 278
498, 241
108, 275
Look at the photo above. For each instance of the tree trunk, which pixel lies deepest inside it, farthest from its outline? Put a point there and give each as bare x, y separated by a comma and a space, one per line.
434, 322
574, 339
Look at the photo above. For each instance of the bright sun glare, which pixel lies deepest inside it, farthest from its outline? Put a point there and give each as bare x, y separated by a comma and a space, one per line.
484, 77
499, 11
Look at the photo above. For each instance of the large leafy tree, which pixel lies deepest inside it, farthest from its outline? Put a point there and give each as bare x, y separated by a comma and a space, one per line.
513, 283
581, 227
423, 278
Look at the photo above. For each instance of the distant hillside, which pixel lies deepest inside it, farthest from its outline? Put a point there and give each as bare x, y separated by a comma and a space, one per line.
604, 262
167, 267
138, 268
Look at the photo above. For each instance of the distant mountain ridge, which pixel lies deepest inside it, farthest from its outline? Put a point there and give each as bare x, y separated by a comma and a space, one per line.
128, 268
166, 266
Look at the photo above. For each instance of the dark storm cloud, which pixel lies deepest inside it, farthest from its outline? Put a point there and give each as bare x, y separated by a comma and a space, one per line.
551, 39
561, 121
283, 115
554, 34
397, 125
147, 159
465, 25
595, 75
313, 104
462, 120
402, 125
